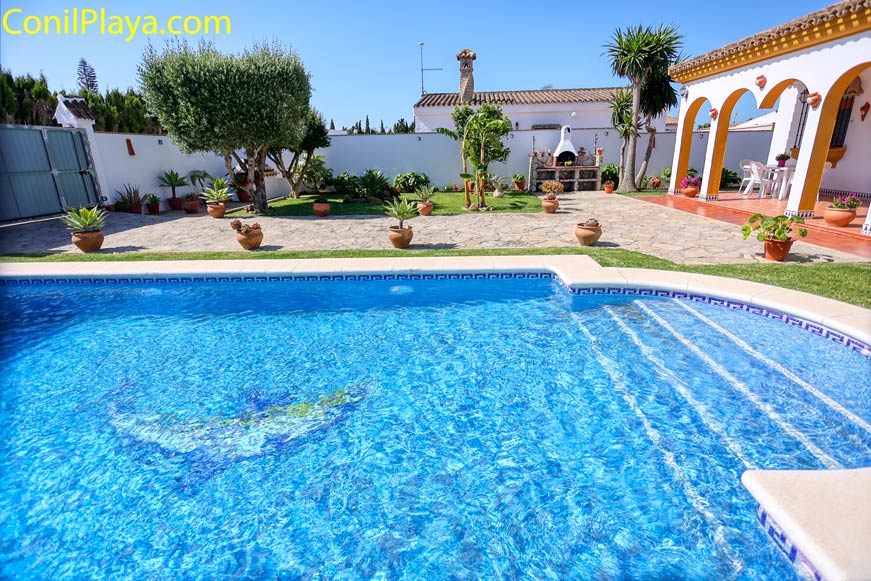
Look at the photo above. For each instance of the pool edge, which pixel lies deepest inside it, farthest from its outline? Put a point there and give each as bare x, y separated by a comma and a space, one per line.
574, 271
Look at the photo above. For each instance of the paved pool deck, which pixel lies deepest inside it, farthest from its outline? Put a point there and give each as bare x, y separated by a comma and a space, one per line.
627, 223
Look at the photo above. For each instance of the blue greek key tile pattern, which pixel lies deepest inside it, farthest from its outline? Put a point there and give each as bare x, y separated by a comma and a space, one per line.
814, 328
800, 563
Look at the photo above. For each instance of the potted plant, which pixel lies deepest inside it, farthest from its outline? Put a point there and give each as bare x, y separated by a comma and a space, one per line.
216, 197
690, 186
608, 187
250, 236
775, 233
191, 204
589, 232
551, 188
781, 159
519, 181
130, 199
87, 226
402, 210
152, 204
172, 180
321, 205
842, 211
425, 204
199, 178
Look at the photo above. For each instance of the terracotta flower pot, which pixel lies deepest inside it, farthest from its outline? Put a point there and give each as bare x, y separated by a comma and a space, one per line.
243, 195
838, 216
191, 207
691, 192
550, 206
777, 250
135, 209
520, 186
110, 207
425, 208
609, 188
251, 239
588, 235
88, 241
321, 209
400, 237
153, 208
216, 209
175, 203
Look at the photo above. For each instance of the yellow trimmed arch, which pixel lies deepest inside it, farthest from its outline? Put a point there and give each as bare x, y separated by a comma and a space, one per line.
721, 135
819, 148
777, 90
686, 138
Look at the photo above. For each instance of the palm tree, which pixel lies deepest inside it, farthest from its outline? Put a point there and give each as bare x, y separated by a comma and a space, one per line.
635, 53
621, 120
461, 117
171, 179
657, 96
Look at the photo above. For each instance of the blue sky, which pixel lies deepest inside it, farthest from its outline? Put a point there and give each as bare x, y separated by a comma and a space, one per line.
364, 58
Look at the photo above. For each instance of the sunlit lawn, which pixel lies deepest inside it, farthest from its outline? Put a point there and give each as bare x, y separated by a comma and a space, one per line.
446, 203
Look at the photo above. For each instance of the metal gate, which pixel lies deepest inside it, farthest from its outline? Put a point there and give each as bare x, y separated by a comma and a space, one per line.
44, 170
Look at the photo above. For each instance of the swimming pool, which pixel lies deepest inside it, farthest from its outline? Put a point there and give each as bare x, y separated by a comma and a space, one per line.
463, 428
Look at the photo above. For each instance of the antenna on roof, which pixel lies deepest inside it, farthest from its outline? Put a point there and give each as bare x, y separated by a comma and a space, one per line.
422, 91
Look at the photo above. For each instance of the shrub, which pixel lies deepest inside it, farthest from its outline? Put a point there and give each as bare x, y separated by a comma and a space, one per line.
666, 174
611, 173
374, 184
409, 182
729, 178
346, 184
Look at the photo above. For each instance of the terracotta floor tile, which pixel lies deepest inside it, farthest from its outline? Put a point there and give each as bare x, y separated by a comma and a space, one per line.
734, 208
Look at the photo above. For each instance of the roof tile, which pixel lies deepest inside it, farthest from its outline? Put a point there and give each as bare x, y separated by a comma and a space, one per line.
538, 97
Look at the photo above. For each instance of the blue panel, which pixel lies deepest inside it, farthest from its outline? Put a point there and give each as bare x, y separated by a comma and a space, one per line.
8, 206
77, 188
35, 194
62, 144
23, 150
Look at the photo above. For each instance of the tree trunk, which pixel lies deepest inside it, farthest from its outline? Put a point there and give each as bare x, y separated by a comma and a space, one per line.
260, 202
466, 182
628, 185
228, 163
651, 143
622, 163
299, 182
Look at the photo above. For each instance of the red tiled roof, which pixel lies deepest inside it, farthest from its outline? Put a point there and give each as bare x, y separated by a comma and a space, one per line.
827, 14
78, 107
669, 120
538, 97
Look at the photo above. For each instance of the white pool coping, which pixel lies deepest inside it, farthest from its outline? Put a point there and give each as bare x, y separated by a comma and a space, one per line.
573, 270
826, 514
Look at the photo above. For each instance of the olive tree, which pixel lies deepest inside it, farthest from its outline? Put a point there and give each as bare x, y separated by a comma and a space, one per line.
316, 136
460, 116
210, 101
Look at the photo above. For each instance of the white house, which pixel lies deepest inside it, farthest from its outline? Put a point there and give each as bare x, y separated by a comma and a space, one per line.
534, 109
819, 67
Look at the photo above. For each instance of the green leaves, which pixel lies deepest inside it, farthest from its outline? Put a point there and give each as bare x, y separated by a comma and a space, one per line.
401, 209
85, 220
777, 227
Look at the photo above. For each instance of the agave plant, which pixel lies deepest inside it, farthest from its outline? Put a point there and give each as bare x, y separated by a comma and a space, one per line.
401, 209
425, 193
130, 196
217, 192
85, 220
172, 180
374, 183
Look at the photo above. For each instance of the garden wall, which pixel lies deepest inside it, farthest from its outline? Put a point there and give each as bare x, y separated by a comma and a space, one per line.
432, 153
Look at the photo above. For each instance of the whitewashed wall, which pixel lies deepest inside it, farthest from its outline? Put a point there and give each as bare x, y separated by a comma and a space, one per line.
431, 153
151, 160
438, 156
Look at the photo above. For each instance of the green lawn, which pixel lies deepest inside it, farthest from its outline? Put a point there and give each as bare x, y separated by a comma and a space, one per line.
844, 282
446, 203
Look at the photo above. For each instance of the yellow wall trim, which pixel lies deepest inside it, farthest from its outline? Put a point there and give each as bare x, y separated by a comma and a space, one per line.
836, 29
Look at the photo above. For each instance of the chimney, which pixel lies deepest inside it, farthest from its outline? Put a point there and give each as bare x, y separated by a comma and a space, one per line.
467, 81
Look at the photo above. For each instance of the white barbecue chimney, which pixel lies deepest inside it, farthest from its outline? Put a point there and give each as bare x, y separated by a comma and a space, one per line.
565, 151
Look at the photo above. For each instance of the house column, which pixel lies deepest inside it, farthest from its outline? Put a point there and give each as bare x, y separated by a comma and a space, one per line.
866, 227
683, 141
714, 155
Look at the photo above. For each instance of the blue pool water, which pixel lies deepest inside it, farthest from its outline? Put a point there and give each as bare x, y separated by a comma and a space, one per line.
403, 429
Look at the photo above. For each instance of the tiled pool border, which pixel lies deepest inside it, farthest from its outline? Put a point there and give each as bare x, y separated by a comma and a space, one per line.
576, 288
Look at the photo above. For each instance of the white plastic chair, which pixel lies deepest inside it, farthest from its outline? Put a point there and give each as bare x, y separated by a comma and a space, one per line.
744, 166
759, 174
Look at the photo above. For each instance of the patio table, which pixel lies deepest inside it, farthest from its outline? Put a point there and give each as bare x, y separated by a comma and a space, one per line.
781, 179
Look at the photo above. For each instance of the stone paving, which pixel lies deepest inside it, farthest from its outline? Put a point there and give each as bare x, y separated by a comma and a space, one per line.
627, 223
